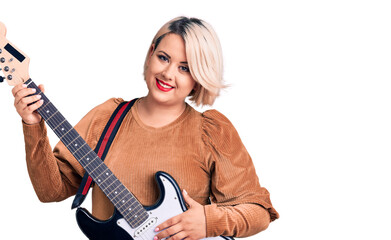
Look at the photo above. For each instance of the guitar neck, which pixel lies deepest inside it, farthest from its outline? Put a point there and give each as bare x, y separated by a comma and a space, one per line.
123, 200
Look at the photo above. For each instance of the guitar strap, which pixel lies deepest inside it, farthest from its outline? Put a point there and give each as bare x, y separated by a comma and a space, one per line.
101, 149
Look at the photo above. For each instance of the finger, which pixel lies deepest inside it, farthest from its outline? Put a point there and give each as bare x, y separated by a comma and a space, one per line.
188, 199
17, 88
26, 101
42, 87
168, 223
23, 93
34, 106
179, 236
171, 231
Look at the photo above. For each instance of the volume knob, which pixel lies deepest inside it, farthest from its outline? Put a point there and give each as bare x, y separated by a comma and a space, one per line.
1, 79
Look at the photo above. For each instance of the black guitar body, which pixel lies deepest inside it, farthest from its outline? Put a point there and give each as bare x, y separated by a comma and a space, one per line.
100, 230
170, 204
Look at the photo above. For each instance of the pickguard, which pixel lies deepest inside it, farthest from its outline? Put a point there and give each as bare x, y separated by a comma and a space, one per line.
169, 205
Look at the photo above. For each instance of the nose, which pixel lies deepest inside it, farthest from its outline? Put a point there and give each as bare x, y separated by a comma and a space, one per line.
169, 72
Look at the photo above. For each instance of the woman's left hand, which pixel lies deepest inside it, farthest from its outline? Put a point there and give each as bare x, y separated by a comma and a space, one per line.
188, 225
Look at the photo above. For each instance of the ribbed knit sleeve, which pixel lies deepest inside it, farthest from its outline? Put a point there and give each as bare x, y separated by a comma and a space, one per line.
240, 206
56, 174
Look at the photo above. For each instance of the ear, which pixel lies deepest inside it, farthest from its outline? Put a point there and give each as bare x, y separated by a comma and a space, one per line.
150, 52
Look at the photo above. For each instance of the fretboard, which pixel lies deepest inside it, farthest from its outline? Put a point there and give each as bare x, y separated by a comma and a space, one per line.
123, 200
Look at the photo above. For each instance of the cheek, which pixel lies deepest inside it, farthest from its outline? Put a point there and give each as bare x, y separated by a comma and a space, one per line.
153, 68
190, 84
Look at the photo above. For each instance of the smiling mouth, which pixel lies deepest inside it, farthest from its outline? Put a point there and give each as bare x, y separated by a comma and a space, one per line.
163, 86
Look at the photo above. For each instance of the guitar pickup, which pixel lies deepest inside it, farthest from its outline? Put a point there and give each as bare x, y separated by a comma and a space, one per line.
143, 228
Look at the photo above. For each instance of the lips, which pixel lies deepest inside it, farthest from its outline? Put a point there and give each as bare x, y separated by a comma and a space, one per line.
163, 86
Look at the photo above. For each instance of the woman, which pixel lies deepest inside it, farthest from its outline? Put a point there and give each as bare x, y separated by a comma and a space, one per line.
202, 151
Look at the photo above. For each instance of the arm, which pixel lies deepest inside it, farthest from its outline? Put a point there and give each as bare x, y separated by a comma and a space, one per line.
42, 166
240, 206
55, 175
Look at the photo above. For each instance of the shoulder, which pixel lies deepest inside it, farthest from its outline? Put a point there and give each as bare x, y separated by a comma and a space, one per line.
108, 106
100, 113
92, 124
214, 118
218, 130
103, 110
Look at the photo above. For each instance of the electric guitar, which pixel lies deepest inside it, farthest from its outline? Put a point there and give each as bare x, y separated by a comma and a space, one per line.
131, 220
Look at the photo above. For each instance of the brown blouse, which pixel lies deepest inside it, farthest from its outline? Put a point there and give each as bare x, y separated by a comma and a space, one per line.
202, 151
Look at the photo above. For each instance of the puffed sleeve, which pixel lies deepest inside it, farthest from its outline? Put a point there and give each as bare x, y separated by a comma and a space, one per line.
240, 206
56, 174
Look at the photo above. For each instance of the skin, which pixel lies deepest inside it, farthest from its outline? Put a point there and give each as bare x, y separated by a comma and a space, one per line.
28, 114
188, 225
167, 64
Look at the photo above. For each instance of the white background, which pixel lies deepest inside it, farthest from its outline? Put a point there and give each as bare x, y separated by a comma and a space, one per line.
309, 96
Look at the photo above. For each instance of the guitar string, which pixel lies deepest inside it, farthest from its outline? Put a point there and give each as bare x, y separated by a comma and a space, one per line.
71, 136
77, 136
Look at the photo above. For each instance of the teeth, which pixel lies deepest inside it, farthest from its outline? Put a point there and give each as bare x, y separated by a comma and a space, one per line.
163, 85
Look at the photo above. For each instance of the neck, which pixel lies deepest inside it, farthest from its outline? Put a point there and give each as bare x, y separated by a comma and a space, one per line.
156, 114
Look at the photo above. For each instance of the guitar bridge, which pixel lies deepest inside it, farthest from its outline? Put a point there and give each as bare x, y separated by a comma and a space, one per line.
143, 228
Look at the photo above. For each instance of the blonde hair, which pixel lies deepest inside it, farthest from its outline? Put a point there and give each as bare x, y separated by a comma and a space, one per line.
204, 56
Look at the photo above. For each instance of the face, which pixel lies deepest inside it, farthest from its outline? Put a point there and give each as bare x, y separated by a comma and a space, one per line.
167, 75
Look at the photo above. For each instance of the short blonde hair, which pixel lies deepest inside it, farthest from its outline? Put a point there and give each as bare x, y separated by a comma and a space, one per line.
204, 56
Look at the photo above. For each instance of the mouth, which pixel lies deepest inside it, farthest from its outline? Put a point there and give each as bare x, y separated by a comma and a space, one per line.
163, 86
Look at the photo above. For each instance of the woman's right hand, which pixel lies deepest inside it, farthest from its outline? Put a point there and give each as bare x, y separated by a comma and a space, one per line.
28, 114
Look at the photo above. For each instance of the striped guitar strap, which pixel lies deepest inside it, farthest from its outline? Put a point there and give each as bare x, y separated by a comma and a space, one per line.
102, 147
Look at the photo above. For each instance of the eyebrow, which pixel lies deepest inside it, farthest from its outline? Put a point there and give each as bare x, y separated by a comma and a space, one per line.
169, 57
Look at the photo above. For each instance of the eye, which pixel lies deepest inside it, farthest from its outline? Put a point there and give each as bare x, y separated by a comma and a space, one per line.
162, 57
184, 69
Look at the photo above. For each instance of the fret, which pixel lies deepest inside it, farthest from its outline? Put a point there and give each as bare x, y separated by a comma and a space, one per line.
123, 200
116, 193
62, 128
84, 157
51, 116
90, 161
129, 208
73, 142
111, 184
73, 139
65, 133
80, 147
59, 125
132, 209
92, 171
103, 177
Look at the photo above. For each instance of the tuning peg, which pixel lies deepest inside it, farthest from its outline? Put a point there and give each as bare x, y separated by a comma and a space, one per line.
1, 79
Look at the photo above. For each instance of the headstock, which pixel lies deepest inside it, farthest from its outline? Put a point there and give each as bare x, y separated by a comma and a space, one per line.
13, 62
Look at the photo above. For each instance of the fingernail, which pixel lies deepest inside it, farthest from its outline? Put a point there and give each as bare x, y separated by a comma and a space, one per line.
155, 238
41, 101
24, 85
33, 90
185, 191
39, 96
156, 230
